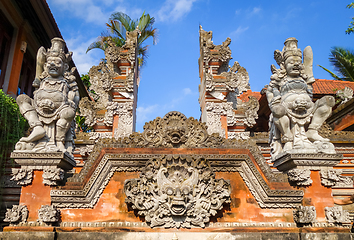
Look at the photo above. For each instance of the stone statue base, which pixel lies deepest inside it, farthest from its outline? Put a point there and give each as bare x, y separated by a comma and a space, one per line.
313, 161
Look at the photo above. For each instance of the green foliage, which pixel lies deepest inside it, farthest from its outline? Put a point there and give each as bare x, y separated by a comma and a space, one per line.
86, 80
12, 125
120, 23
82, 127
350, 29
343, 63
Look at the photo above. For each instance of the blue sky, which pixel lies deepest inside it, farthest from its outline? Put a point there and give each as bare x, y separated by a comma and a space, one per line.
169, 80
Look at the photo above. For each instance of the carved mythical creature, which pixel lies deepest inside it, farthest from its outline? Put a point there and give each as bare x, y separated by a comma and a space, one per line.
176, 191
295, 119
52, 110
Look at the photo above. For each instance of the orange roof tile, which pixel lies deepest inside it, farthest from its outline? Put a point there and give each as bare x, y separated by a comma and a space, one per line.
244, 96
323, 86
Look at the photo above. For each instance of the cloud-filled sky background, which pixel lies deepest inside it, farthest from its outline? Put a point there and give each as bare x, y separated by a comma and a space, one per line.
169, 80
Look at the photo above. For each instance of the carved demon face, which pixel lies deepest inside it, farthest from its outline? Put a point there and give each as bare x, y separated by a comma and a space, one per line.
55, 66
293, 66
177, 183
177, 191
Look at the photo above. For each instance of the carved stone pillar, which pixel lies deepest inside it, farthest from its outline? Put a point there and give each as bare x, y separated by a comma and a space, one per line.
221, 86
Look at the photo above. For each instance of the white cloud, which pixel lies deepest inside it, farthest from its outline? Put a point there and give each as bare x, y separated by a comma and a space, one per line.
144, 113
187, 91
239, 31
256, 10
92, 11
84, 61
174, 9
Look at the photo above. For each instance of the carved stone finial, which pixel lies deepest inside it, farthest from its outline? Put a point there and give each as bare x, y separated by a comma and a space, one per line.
172, 192
53, 107
48, 214
337, 215
295, 119
18, 214
305, 215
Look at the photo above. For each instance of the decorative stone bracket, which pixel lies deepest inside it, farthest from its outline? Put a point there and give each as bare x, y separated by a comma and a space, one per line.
301, 177
18, 214
53, 166
305, 215
337, 215
332, 177
48, 214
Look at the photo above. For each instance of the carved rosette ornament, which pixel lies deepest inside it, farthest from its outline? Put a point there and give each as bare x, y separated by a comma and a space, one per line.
301, 177
48, 214
337, 215
17, 214
295, 118
177, 191
305, 215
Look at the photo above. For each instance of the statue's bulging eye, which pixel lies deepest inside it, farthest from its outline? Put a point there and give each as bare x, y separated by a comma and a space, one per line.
169, 191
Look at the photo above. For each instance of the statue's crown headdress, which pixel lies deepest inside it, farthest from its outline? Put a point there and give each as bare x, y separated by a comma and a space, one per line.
58, 50
291, 49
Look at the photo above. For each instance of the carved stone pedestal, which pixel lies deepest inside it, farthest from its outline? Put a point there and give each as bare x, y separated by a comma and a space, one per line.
52, 164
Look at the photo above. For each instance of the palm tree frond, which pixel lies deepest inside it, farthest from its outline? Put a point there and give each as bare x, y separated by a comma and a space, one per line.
120, 23
332, 74
343, 62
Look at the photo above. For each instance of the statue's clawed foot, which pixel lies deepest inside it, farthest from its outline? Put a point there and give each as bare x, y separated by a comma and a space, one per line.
313, 135
37, 133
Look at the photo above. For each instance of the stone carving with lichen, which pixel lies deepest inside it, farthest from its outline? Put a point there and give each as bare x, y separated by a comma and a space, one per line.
295, 119
177, 191
53, 106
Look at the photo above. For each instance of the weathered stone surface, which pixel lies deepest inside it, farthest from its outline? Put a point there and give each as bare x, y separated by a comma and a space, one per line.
326, 236
27, 235
170, 236
179, 235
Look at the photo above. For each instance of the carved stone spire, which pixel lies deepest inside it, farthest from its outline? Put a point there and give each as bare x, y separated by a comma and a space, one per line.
115, 83
221, 85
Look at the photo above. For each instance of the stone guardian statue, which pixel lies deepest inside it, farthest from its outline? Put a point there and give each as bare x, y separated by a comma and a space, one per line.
295, 118
52, 110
